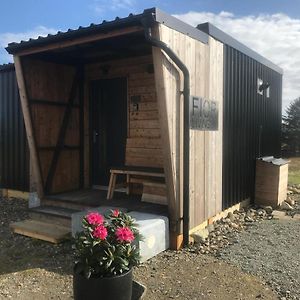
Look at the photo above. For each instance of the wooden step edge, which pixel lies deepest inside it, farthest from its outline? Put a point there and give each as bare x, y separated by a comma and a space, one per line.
38, 234
50, 219
60, 202
69, 204
48, 213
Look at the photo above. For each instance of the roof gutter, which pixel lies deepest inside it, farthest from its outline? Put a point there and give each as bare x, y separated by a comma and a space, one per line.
186, 130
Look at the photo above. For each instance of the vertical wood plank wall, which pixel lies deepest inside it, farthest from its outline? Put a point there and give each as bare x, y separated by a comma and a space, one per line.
49, 82
143, 133
205, 63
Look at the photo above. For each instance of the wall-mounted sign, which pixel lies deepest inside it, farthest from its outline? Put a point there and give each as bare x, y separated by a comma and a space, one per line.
203, 114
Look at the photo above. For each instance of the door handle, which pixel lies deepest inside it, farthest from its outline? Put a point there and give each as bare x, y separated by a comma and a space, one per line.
95, 135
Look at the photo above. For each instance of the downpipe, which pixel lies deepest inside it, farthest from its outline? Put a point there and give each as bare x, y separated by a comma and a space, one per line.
186, 130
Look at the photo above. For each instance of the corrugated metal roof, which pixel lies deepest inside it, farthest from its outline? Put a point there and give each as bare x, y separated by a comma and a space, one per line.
7, 67
151, 15
79, 32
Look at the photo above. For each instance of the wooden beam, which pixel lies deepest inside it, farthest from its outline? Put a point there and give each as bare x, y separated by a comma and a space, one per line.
66, 147
53, 103
160, 83
81, 126
81, 40
62, 132
34, 158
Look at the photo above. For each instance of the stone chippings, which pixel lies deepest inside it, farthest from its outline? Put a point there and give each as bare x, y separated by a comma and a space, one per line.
225, 232
261, 241
271, 251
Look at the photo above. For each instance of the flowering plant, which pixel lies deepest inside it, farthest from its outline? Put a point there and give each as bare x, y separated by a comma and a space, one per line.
105, 247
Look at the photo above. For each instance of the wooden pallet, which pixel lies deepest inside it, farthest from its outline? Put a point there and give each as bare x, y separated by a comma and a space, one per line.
41, 230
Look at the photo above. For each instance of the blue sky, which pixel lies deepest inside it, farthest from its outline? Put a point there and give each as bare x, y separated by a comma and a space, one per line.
271, 27
18, 15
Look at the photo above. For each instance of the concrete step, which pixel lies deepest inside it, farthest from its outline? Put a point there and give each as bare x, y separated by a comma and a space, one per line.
52, 214
41, 230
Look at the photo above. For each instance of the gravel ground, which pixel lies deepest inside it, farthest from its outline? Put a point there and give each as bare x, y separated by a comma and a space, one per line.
270, 249
31, 269
185, 275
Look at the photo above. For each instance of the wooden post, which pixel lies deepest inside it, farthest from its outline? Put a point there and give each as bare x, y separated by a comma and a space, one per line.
34, 158
162, 99
81, 125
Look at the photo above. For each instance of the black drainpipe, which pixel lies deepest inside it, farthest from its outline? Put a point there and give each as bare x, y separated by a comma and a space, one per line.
186, 127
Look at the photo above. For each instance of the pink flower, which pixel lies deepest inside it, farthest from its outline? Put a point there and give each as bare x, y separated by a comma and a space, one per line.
124, 234
100, 232
94, 218
115, 213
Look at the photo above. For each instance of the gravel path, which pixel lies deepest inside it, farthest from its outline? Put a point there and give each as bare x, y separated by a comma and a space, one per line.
185, 275
270, 249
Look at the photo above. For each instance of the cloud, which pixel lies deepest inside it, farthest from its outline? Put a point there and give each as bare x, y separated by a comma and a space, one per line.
277, 37
100, 6
8, 37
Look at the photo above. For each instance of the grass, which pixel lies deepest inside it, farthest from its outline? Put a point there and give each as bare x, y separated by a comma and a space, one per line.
294, 170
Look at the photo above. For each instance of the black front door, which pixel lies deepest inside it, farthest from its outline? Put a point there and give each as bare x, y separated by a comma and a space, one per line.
108, 115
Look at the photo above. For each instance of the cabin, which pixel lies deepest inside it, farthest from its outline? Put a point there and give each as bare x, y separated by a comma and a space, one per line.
146, 113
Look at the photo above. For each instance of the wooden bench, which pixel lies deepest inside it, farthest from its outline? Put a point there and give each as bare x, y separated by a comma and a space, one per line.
131, 171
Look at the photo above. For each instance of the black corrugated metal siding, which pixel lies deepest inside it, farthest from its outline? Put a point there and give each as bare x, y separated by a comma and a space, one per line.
252, 123
14, 157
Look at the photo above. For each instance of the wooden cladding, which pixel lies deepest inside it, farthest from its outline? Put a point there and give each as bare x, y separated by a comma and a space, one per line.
53, 93
143, 147
205, 64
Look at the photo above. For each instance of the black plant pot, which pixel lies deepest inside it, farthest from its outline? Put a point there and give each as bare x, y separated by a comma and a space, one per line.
111, 288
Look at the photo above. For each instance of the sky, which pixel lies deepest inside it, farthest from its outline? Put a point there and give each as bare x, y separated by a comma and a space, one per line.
270, 27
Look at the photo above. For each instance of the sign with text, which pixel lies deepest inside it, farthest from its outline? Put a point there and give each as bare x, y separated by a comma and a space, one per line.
203, 114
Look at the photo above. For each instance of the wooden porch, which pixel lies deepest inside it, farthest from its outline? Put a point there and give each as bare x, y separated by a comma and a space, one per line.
53, 219
89, 198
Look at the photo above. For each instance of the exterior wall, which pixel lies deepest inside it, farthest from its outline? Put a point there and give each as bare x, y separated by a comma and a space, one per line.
205, 63
14, 157
48, 87
252, 123
143, 146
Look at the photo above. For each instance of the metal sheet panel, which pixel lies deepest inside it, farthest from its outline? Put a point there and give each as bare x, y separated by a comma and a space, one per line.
230, 41
252, 123
14, 158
